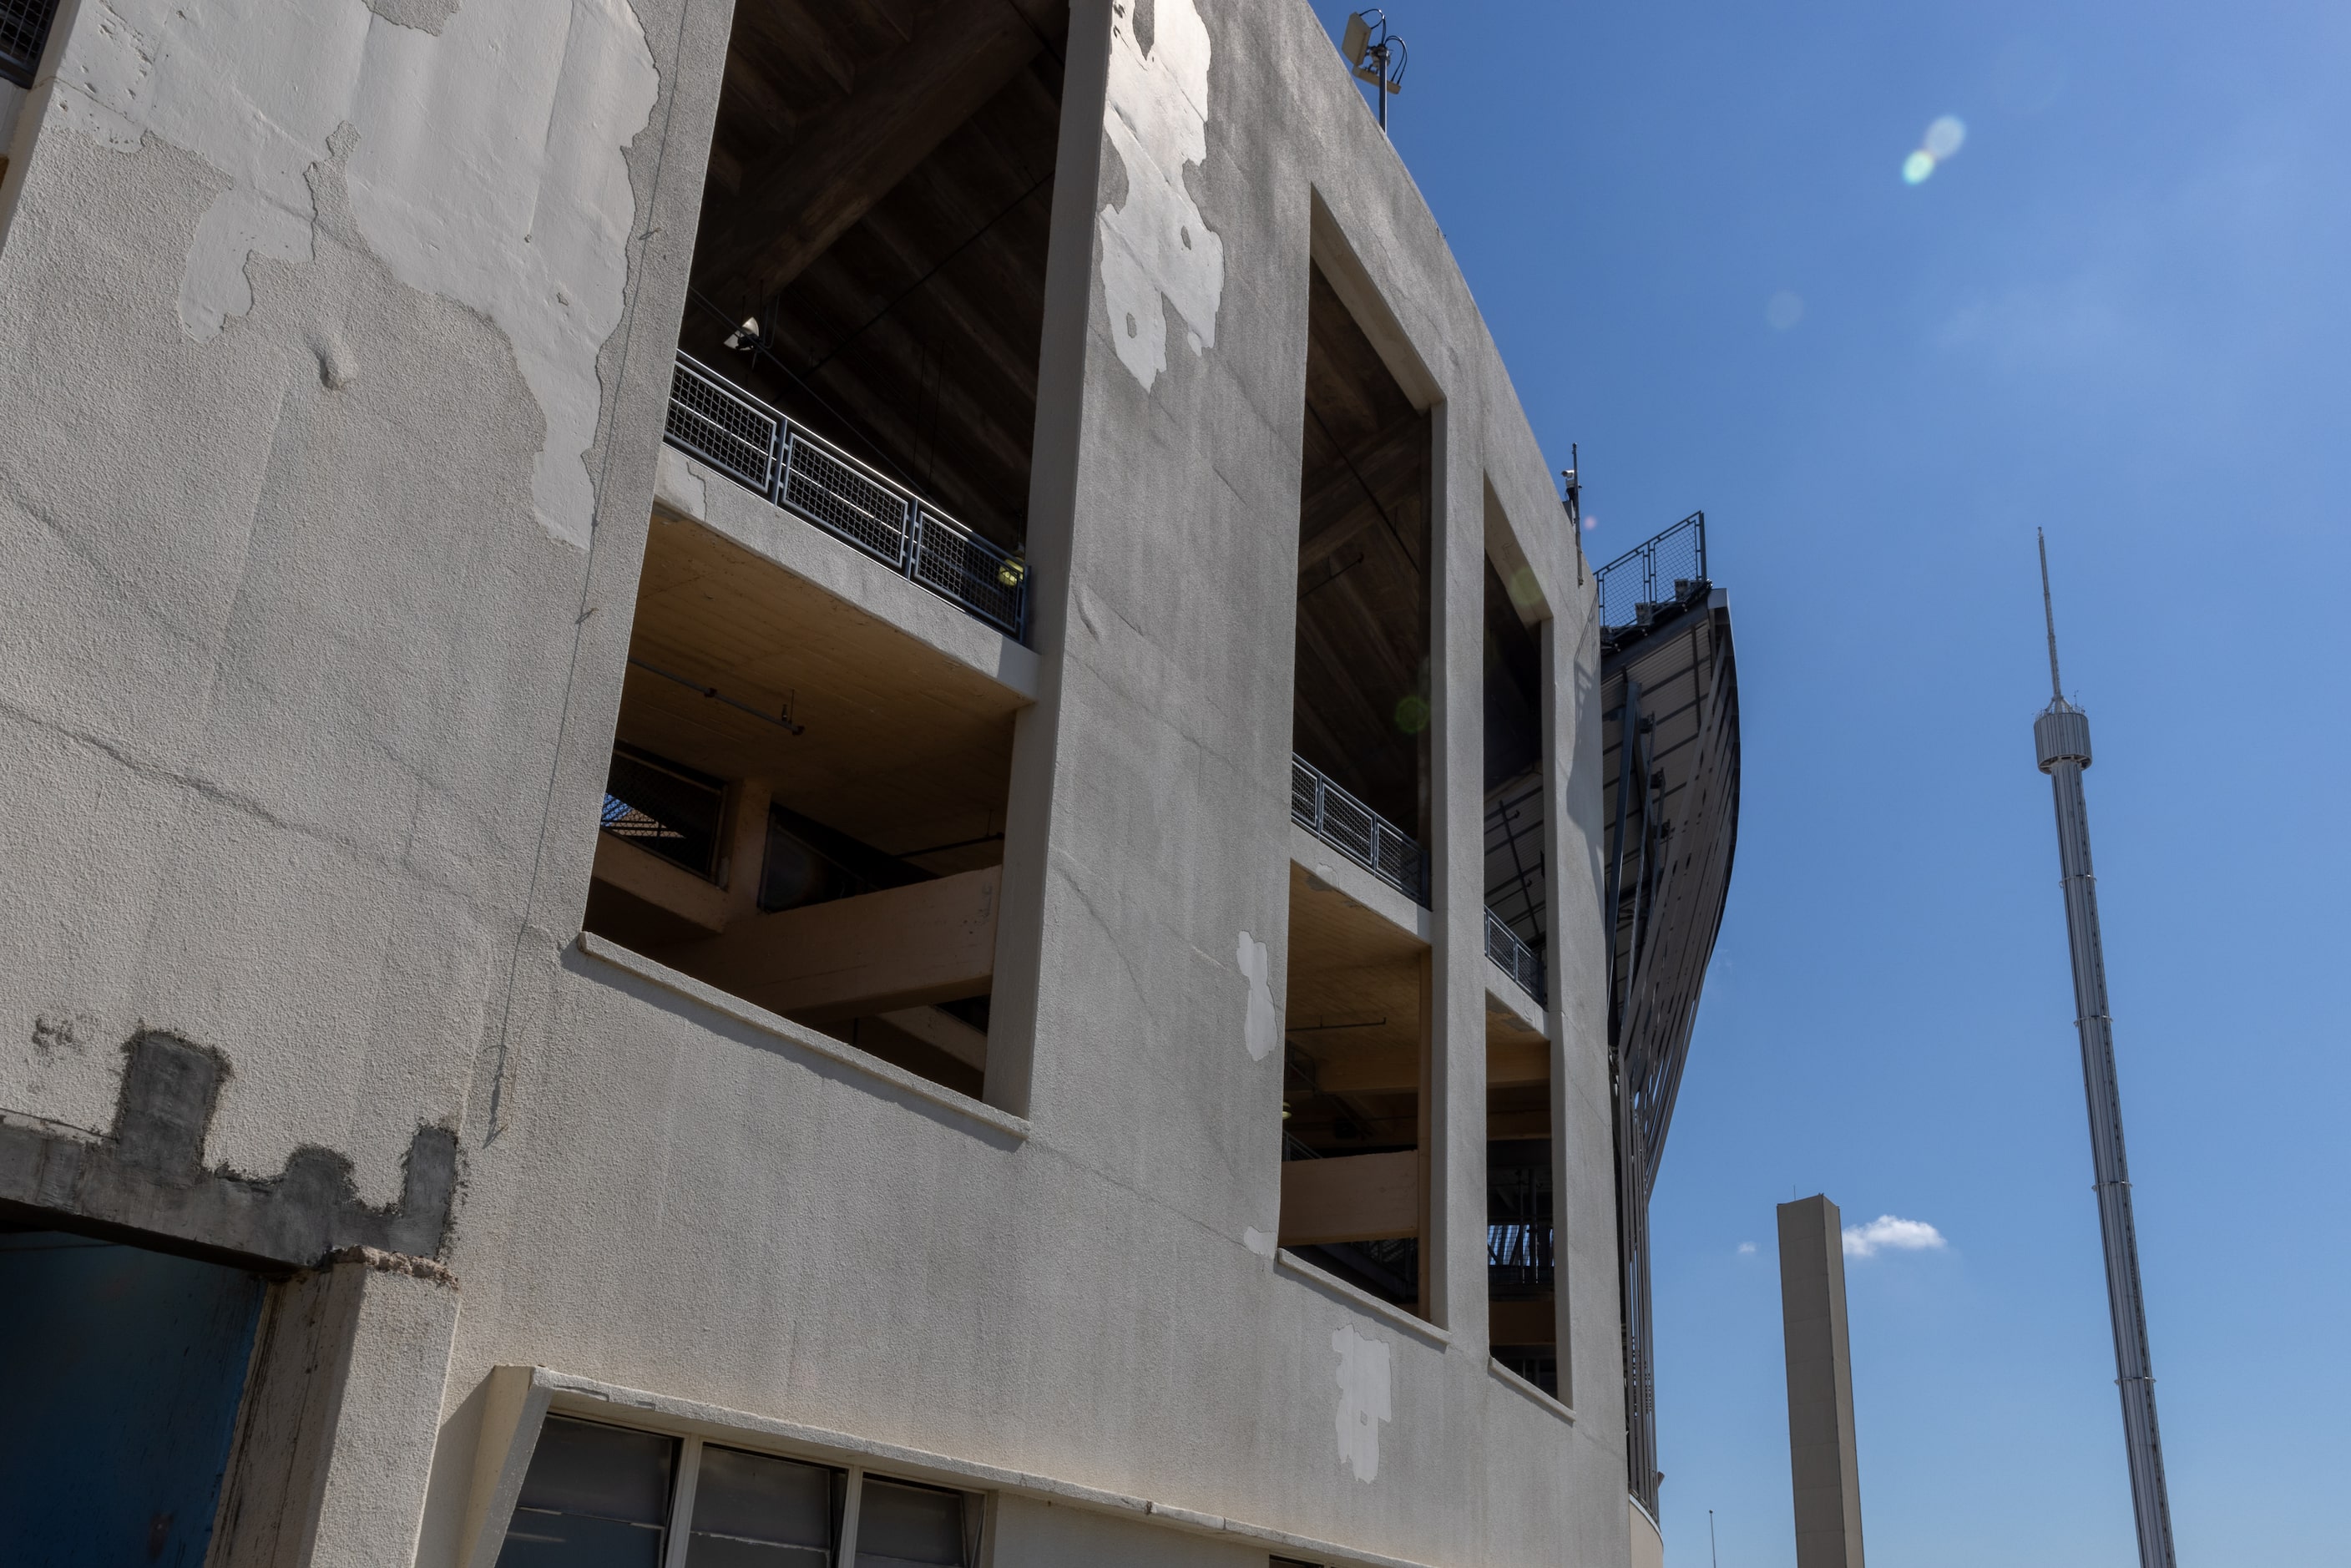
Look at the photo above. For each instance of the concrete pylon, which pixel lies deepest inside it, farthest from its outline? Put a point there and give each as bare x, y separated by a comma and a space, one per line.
1823, 1461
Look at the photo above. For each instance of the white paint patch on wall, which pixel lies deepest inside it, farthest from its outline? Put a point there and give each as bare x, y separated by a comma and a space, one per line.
1363, 1377
1260, 1242
1157, 251
1260, 1026
489, 168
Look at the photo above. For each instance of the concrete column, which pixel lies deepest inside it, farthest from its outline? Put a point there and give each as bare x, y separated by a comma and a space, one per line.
342, 1409
1456, 772
1822, 1456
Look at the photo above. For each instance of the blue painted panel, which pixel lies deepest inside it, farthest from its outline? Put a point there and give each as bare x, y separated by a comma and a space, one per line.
122, 1370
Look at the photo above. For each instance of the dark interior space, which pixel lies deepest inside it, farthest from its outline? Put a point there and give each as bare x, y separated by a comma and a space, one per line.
1513, 774
1362, 708
879, 200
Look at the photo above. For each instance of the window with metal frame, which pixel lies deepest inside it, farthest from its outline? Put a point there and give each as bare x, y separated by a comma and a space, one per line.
23, 34
599, 1496
595, 1496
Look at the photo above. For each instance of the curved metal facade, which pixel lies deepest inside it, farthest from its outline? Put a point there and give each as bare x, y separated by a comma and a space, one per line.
1669, 701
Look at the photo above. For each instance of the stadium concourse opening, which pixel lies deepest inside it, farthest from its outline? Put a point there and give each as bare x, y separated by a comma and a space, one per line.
806, 804
1355, 1093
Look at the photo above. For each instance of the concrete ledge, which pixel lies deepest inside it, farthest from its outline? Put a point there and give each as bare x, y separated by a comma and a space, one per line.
1327, 865
585, 1396
1518, 1385
685, 488
1354, 1296
1503, 995
659, 974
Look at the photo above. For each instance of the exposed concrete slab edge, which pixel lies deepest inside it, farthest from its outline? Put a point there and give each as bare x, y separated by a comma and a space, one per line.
694, 493
1356, 1297
1326, 864
659, 974
587, 1396
1518, 1385
1505, 995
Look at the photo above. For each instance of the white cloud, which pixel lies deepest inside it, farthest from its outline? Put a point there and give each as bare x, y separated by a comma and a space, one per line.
1746, 1249
1886, 1232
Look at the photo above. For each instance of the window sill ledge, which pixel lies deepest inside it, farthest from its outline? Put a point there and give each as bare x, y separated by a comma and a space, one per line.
1512, 1381
776, 1025
1356, 1296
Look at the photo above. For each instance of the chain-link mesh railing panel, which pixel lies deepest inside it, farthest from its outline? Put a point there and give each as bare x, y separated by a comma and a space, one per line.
1305, 796
845, 501
1396, 859
1353, 829
1349, 825
955, 563
659, 809
719, 426
23, 28
1655, 571
1513, 957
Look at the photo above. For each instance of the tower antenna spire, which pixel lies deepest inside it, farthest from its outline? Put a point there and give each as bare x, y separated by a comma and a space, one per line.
2049, 614
2062, 739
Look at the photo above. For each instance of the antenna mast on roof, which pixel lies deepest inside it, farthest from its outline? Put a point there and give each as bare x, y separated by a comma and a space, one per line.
1377, 56
2061, 737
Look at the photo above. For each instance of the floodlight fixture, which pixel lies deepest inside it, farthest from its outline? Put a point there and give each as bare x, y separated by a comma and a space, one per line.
745, 338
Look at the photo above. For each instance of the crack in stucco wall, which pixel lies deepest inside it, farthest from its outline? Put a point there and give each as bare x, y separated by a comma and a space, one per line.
1157, 251
489, 166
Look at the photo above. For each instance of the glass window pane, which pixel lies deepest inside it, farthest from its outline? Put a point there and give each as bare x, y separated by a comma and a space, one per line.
901, 1524
759, 1512
595, 1496
538, 1538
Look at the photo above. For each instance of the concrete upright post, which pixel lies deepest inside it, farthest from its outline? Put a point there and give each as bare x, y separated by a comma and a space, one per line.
1822, 1461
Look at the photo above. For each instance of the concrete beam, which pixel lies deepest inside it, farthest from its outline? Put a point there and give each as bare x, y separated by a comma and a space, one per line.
876, 953
1523, 1322
949, 1033
1397, 1071
1352, 1197
674, 888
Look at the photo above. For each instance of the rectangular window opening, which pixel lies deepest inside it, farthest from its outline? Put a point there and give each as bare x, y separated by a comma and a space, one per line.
1359, 707
861, 345
806, 807
1355, 1137
1521, 1262
599, 1496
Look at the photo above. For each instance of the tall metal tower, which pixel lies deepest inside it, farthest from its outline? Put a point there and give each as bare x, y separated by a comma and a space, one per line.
2062, 736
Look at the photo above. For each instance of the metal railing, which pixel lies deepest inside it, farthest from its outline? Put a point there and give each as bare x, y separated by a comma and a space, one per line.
1674, 561
1354, 830
1518, 1254
785, 462
24, 30
1513, 957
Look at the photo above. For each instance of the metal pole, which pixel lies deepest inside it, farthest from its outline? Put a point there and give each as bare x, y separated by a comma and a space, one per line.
2062, 739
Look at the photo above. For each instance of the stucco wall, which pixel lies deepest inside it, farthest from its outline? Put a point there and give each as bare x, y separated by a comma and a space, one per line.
325, 529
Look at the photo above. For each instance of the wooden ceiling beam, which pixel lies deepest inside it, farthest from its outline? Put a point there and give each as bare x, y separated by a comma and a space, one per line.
792, 206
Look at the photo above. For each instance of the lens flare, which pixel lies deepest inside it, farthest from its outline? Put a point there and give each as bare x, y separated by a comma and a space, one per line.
1411, 714
1945, 136
1917, 166
1783, 309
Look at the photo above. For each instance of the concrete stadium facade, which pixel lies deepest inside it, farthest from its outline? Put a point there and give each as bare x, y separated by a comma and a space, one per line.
343, 482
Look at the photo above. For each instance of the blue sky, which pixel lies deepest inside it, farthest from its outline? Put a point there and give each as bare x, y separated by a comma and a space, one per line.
2118, 311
